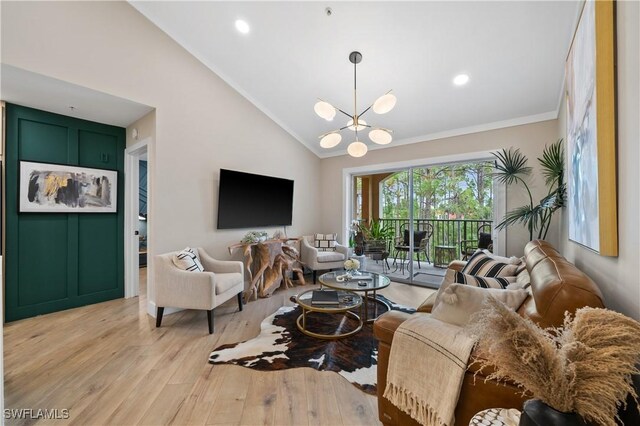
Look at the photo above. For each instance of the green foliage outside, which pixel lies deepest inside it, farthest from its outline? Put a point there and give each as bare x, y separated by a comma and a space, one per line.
459, 191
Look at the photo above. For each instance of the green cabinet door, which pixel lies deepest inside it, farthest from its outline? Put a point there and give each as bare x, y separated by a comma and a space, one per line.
56, 261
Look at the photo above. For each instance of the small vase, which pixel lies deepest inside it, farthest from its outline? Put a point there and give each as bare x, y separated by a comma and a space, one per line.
355, 272
537, 413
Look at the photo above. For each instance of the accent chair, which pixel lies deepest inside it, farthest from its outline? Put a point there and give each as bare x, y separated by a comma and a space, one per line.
220, 281
316, 259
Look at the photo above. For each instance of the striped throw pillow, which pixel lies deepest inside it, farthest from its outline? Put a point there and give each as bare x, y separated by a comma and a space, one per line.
188, 260
326, 242
510, 260
484, 266
483, 282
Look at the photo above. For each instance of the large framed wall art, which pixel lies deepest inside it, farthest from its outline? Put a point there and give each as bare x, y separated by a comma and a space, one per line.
58, 188
591, 130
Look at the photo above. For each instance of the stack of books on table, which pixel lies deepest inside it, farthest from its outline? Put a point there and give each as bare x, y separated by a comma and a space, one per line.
325, 297
363, 276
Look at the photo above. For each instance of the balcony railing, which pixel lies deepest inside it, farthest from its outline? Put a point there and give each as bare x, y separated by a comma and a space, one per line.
446, 232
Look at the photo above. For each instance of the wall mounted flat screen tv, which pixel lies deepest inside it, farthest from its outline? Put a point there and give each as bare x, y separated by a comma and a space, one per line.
246, 200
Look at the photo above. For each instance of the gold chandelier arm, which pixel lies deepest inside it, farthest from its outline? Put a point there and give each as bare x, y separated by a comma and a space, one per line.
333, 131
384, 128
328, 133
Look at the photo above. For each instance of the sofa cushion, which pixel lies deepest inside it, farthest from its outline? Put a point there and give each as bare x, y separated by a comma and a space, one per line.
227, 281
557, 286
188, 260
459, 302
330, 256
482, 265
325, 242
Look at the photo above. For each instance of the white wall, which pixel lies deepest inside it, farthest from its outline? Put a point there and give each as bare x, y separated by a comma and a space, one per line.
619, 277
146, 127
530, 138
201, 124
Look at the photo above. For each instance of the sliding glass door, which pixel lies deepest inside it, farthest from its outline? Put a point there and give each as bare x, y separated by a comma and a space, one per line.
426, 216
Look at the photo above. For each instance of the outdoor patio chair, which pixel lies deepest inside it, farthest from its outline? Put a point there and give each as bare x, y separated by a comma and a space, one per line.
420, 243
484, 241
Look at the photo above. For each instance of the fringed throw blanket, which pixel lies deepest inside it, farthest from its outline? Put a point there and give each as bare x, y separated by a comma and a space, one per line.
426, 368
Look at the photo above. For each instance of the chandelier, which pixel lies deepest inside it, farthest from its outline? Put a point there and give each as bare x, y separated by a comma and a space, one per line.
379, 135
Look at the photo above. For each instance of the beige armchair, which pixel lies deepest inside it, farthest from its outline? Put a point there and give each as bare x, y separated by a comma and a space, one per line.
220, 281
317, 260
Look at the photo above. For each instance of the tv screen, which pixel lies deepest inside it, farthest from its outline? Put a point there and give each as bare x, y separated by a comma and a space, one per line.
246, 200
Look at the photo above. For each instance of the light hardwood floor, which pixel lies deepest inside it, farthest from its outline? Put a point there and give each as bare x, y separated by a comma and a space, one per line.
108, 364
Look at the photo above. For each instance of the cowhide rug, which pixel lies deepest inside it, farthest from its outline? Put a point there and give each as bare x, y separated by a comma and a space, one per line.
280, 345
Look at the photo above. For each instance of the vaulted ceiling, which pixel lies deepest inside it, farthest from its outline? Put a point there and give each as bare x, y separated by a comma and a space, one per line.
295, 53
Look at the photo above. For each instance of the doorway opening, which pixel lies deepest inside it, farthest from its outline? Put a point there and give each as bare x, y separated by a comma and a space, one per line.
136, 219
142, 222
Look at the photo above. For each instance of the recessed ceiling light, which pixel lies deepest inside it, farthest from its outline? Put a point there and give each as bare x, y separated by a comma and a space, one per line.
242, 26
461, 79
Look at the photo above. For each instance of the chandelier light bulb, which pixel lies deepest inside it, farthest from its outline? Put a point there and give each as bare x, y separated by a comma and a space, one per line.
380, 136
330, 140
361, 124
325, 110
357, 149
384, 103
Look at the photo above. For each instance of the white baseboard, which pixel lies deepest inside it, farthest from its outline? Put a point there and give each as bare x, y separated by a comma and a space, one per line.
151, 309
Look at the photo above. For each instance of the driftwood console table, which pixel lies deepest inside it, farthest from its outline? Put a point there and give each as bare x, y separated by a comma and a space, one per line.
268, 264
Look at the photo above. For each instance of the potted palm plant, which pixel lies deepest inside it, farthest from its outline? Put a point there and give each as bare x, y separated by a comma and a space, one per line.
511, 169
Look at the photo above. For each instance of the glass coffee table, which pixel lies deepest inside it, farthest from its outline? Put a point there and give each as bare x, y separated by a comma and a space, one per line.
348, 302
367, 282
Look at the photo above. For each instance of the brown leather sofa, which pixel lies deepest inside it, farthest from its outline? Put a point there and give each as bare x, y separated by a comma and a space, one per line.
556, 286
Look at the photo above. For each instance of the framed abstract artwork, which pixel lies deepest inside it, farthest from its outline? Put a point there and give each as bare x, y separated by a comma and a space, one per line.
591, 130
58, 188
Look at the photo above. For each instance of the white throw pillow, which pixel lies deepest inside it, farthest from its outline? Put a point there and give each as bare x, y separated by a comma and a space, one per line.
454, 277
459, 302
449, 278
188, 260
524, 279
511, 260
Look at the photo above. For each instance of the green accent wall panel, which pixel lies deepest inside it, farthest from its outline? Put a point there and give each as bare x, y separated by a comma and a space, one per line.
97, 246
40, 239
57, 261
97, 150
43, 142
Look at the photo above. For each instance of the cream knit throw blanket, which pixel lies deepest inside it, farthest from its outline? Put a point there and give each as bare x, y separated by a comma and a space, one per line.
426, 368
